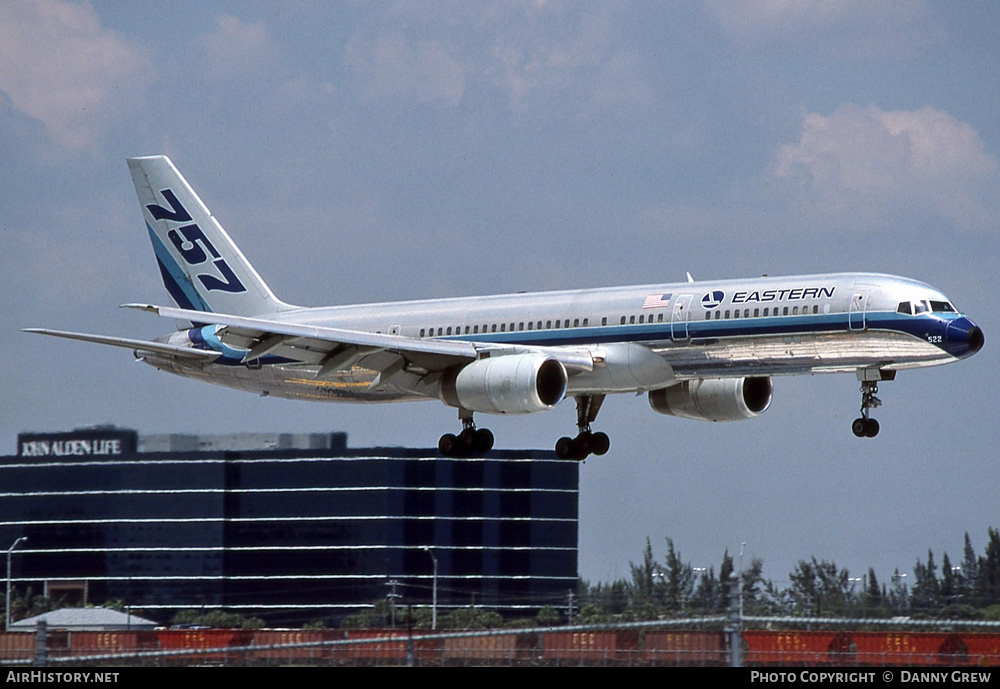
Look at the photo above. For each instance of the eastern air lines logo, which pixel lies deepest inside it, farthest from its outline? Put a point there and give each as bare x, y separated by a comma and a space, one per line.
713, 299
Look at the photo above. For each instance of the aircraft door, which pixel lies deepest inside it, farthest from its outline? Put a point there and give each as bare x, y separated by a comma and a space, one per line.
679, 317
859, 307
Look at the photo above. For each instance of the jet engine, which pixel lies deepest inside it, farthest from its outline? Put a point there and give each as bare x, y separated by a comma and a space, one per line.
511, 384
714, 399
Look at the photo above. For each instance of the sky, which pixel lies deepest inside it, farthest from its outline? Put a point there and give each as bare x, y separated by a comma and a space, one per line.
394, 150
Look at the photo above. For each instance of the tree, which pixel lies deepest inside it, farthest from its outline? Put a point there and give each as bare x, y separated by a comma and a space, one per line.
926, 592
818, 588
644, 575
948, 587
679, 581
970, 569
874, 601
754, 589
988, 574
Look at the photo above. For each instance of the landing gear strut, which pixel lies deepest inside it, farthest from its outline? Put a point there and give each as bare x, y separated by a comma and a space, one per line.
470, 442
865, 426
586, 442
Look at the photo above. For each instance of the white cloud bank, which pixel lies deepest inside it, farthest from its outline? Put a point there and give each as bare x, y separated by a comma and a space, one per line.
59, 66
924, 158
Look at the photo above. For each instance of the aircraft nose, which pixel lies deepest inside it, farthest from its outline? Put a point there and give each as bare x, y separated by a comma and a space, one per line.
964, 338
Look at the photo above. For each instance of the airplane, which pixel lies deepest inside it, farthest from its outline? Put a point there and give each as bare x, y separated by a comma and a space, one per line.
699, 350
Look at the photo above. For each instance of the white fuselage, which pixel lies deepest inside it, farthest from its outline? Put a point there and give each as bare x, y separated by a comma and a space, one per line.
644, 337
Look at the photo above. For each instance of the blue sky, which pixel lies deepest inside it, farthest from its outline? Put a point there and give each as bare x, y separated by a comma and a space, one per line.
368, 152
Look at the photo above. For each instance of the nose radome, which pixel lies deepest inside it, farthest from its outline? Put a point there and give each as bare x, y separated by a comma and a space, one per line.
965, 338
975, 339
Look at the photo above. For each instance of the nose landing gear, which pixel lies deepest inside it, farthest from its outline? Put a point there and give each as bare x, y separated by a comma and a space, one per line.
865, 426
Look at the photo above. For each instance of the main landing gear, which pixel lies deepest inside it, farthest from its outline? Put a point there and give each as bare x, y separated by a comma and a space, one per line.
470, 442
586, 442
865, 426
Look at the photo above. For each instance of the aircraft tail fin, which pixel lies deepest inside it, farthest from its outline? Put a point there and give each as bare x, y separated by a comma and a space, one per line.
202, 269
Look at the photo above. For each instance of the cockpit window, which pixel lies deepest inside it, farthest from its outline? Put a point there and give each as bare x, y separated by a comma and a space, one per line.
904, 307
942, 307
920, 307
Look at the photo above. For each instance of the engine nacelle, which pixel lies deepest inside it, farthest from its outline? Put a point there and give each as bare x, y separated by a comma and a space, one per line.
511, 384
714, 399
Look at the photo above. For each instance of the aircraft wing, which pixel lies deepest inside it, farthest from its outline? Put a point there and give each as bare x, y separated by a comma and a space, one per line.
335, 349
135, 345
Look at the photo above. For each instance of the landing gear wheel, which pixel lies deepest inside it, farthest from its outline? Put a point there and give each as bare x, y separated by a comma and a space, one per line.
483, 440
466, 442
447, 444
565, 448
871, 428
586, 442
865, 426
600, 443
858, 427
470, 442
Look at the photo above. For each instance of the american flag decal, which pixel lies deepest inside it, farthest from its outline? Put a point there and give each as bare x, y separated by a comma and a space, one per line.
657, 301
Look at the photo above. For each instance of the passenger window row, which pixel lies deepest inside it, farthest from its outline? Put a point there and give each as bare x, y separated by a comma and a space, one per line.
767, 311
441, 331
719, 314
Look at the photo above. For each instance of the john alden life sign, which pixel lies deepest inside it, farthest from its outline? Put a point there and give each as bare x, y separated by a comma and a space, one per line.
81, 443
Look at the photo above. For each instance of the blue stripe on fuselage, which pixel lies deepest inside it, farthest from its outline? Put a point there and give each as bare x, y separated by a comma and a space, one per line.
921, 327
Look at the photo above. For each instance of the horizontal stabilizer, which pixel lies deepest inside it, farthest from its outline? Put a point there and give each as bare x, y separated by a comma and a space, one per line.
126, 343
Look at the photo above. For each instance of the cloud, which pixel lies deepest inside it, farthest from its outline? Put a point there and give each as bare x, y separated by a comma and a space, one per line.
545, 52
922, 158
238, 49
389, 65
850, 28
59, 66
534, 55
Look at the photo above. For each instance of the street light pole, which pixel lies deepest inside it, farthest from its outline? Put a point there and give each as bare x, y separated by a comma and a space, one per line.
10, 550
434, 590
